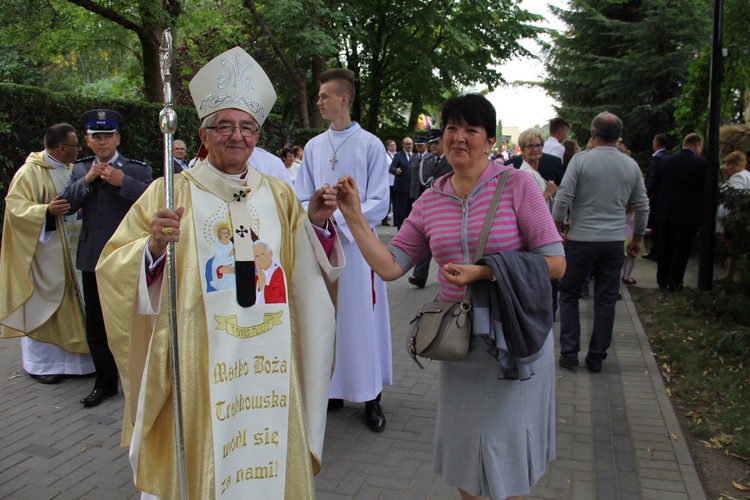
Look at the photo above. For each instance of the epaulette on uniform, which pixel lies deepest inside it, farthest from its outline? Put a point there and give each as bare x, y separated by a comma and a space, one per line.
139, 162
80, 160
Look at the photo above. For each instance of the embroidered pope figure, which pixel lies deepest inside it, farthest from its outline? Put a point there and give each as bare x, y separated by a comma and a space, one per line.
269, 279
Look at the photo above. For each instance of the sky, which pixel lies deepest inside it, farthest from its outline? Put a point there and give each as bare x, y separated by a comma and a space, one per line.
520, 105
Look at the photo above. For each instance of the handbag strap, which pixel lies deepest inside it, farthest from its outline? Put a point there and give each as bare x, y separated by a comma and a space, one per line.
479, 252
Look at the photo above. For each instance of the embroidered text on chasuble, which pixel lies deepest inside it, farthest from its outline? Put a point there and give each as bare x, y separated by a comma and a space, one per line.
249, 347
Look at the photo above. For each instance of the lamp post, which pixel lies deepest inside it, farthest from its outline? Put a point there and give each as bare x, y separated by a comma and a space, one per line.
710, 193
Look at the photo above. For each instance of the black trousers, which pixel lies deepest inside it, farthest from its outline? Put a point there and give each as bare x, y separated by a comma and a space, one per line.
96, 335
400, 202
422, 267
675, 243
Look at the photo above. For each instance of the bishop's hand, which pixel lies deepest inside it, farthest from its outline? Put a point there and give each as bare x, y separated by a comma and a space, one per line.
165, 229
322, 205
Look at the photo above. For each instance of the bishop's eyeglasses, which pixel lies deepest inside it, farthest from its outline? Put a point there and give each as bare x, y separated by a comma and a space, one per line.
227, 130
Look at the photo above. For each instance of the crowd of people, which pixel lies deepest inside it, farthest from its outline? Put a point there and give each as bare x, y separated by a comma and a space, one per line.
283, 313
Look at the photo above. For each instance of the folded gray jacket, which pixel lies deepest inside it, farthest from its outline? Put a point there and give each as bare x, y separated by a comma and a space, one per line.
514, 314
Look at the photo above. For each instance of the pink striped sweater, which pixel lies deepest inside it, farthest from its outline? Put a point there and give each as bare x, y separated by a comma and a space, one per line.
441, 222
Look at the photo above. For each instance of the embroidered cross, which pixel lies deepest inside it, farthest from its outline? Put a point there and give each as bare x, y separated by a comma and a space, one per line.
241, 232
240, 195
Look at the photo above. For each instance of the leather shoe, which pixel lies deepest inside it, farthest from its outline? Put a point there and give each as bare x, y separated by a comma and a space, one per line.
47, 379
594, 365
417, 282
335, 404
97, 396
569, 362
374, 416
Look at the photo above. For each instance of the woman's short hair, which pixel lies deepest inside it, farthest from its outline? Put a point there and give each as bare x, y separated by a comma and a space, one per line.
474, 109
286, 151
529, 135
736, 158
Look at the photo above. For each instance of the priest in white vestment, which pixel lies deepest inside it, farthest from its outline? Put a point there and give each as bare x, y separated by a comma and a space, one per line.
363, 340
254, 376
40, 297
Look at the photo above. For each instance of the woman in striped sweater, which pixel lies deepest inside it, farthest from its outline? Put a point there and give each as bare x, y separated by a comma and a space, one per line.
493, 437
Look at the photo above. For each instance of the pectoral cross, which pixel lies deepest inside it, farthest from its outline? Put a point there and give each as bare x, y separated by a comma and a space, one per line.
334, 160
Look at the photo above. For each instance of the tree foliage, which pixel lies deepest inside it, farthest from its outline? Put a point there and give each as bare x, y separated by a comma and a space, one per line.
408, 56
692, 112
58, 46
630, 57
411, 55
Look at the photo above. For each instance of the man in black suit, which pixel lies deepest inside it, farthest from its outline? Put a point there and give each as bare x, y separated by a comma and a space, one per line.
400, 169
679, 204
104, 186
550, 167
659, 146
179, 151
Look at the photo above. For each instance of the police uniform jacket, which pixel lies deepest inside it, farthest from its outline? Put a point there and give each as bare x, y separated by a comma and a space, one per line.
432, 168
103, 205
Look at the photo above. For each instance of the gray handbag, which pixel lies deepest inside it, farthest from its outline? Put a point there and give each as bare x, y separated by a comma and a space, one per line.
442, 330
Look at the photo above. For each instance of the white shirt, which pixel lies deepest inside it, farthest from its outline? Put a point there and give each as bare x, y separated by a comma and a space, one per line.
553, 147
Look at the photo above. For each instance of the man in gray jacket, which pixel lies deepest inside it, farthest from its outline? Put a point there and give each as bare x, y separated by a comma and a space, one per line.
597, 187
103, 187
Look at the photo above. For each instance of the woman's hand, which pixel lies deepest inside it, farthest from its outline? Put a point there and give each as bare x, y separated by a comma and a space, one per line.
550, 190
347, 197
466, 274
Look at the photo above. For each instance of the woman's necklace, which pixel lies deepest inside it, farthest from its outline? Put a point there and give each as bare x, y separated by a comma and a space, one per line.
460, 194
334, 160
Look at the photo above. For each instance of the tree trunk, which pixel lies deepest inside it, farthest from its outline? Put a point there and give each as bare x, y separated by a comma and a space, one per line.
153, 89
416, 110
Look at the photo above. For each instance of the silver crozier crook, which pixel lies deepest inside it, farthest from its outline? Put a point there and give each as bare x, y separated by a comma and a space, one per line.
168, 124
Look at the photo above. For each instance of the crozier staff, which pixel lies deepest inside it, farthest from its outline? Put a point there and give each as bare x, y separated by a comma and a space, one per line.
245, 365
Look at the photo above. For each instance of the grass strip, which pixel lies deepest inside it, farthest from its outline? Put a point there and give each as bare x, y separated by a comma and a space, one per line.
705, 365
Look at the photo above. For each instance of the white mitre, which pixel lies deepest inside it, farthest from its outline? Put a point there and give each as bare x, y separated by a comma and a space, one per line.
233, 80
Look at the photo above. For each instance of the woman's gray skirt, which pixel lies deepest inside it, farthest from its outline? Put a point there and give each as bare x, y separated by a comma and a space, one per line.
494, 437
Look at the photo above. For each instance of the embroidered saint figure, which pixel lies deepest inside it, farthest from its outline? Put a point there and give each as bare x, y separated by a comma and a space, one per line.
222, 265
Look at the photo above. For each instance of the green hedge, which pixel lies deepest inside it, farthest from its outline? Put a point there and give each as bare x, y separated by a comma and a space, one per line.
26, 113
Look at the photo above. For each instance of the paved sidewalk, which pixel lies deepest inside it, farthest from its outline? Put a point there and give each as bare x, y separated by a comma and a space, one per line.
617, 435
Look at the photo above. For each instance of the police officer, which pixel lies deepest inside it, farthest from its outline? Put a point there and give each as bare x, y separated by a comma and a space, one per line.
104, 187
434, 164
